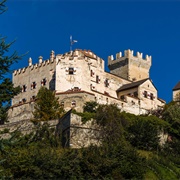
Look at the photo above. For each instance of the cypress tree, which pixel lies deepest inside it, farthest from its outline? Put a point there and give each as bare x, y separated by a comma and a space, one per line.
47, 106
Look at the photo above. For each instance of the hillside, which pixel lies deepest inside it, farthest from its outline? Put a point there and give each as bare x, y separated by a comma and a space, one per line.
130, 149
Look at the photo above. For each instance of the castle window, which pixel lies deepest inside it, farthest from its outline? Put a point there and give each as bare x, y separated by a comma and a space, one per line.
62, 104
33, 98
97, 79
73, 103
135, 94
133, 79
33, 85
24, 100
106, 82
151, 96
43, 82
133, 103
122, 98
92, 73
71, 70
92, 87
107, 100
24, 88
76, 89
145, 94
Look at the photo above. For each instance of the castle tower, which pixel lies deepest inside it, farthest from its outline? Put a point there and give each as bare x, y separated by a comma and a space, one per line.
130, 67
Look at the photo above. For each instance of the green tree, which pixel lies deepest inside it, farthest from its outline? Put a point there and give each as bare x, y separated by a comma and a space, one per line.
111, 121
143, 134
90, 107
47, 106
7, 90
171, 114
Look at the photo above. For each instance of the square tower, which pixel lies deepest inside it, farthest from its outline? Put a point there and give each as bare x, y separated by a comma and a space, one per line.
130, 67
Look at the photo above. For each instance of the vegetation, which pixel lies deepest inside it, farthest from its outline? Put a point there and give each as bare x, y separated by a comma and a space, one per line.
130, 145
130, 150
7, 90
47, 106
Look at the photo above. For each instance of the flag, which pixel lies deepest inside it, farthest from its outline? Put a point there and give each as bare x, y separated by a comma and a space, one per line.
72, 41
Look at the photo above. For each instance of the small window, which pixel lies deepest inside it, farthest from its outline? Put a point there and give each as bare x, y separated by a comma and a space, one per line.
24, 100
33, 85
151, 96
71, 70
73, 103
97, 79
43, 82
24, 88
133, 103
122, 97
106, 82
92, 73
133, 79
145, 94
76, 89
135, 94
62, 104
33, 97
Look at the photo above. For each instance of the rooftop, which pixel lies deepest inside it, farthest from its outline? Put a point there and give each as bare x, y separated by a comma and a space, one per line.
132, 85
177, 86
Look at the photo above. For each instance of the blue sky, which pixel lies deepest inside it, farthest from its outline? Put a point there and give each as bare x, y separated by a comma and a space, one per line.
103, 26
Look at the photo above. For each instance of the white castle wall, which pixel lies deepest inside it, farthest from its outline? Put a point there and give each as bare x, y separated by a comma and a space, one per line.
78, 76
34, 73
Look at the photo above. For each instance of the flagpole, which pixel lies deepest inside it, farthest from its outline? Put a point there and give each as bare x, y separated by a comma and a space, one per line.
72, 42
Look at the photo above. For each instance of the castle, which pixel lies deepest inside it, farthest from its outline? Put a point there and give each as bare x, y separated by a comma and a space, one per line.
176, 92
79, 76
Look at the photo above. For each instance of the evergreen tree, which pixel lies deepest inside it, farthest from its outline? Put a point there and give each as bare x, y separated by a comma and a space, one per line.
171, 114
7, 90
47, 106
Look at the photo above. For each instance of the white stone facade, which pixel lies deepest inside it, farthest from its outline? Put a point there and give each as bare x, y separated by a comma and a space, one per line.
79, 76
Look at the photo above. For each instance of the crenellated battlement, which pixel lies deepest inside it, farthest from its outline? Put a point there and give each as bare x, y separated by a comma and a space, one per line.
130, 66
128, 54
40, 63
77, 53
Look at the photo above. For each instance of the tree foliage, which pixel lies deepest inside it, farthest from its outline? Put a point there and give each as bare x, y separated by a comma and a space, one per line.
47, 106
36, 157
90, 107
2, 6
7, 90
128, 151
143, 135
111, 122
171, 114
